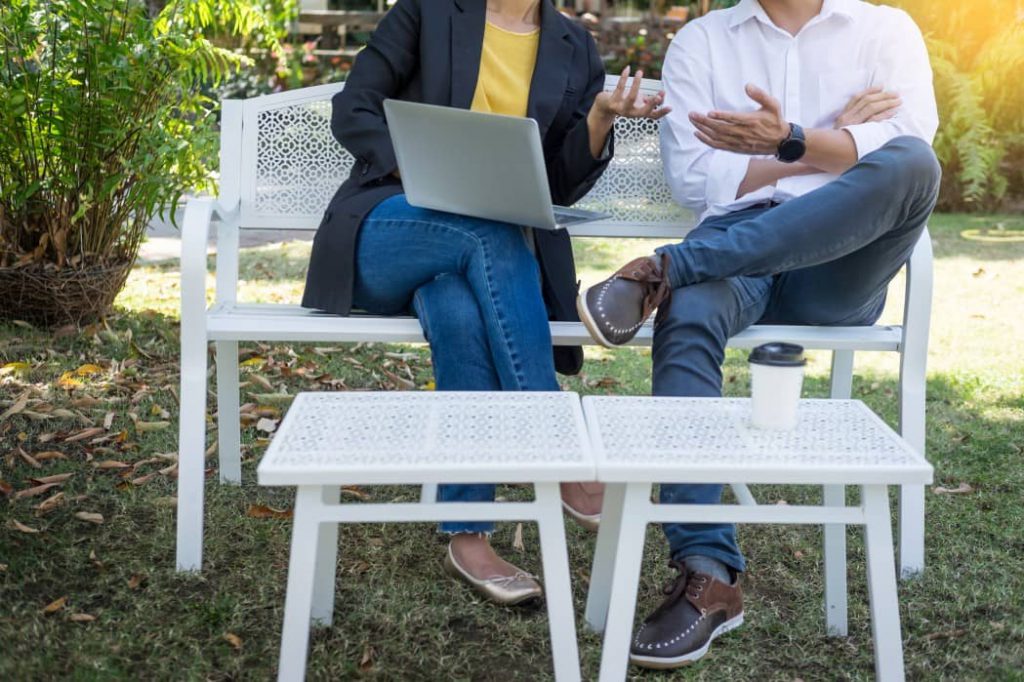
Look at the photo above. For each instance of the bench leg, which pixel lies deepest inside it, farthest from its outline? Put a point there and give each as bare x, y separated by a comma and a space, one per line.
191, 454
835, 566
885, 607
911, 525
326, 564
428, 493
604, 556
743, 495
298, 604
229, 444
835, 496
625, 579
557, 583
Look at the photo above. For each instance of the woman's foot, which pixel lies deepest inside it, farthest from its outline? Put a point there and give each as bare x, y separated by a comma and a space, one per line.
582, 501
471, 559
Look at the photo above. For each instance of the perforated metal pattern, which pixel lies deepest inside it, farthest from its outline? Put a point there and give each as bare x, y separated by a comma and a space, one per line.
688, 431
633, 189
299, 164
355, 430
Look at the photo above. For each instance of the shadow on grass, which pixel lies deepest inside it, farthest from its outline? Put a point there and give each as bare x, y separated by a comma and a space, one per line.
397, 616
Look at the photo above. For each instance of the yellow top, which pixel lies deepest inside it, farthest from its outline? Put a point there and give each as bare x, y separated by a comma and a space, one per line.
506, 70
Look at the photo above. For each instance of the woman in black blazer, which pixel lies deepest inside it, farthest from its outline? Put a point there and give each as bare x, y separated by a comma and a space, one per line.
482, 291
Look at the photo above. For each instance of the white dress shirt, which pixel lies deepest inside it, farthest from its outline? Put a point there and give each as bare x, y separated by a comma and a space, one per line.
849, 47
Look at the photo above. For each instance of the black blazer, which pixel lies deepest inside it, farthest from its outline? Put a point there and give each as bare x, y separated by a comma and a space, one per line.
429, 51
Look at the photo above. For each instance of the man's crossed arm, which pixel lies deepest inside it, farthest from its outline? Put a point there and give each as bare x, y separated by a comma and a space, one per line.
760, 133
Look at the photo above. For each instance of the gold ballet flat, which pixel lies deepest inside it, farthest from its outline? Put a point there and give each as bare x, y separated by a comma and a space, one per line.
504, 590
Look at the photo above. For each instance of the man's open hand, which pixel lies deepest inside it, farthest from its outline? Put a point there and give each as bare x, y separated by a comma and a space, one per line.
757, 133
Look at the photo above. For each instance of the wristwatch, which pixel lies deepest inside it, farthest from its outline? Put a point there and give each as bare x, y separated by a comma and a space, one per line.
793, 148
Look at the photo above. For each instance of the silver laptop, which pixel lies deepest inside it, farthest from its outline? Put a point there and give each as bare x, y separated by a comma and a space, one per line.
481, 165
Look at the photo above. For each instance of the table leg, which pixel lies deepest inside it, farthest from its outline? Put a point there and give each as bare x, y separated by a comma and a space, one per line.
835, 566
557, 583
604, 556
298, 603
625, 578
325, 572
885, 607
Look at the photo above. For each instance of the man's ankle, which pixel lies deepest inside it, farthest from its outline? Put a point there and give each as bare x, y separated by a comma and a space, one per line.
699, 563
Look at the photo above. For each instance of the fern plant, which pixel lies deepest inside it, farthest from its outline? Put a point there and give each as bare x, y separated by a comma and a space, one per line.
978, 57
104, 123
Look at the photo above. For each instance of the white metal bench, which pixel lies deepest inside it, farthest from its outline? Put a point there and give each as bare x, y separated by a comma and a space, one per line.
280, 165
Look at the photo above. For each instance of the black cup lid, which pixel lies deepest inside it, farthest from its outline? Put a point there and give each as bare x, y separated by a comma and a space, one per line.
778, 355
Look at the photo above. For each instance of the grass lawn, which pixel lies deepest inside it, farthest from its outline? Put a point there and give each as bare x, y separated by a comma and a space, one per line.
88, 590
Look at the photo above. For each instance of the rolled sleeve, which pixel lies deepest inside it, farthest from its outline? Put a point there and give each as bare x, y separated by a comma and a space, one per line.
725, 174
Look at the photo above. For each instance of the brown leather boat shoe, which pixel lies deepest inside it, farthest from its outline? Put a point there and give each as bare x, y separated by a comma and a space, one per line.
614, 310
696, 610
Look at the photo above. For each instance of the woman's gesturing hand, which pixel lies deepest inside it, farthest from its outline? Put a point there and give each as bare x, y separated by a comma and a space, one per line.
623, 101
872, 104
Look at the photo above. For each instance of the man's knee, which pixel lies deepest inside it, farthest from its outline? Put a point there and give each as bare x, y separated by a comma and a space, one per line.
914, 161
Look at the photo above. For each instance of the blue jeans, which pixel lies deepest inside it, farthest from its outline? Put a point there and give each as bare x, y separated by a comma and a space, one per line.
475, 287
823, 259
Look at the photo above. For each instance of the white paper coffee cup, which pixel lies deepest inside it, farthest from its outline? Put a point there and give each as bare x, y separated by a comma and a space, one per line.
777, 379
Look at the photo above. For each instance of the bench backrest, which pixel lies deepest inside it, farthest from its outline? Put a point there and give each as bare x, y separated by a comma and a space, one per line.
289, 165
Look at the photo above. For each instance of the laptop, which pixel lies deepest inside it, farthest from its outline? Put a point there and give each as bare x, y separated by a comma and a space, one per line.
480, 165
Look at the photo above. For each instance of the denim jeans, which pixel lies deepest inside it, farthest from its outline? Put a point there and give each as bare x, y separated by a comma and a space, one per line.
475, 287
825, 258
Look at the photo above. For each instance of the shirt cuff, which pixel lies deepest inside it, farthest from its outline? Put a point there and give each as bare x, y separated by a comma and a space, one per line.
725, 174
870, 136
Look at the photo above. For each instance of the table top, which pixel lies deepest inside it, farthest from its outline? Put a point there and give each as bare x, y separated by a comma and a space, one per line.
429, 437
710, 440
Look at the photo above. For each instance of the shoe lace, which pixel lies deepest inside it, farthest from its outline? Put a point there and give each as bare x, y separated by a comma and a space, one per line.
657, 289
685, 583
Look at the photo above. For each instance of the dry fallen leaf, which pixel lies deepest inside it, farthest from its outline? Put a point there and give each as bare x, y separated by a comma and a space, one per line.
234, 640
50, 503
88, 370
366, 661
29, 459
49, 454
56, 478
111, 464
266, 425
262, 511
19, 404
355, 491
56, 605
959, 490
5, 488
85, 433
517, 540
136, 581
81, 618
32, 492
91, 517
14, 524
146, 427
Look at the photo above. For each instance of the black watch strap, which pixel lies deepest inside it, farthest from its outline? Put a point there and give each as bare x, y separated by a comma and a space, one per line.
793, 148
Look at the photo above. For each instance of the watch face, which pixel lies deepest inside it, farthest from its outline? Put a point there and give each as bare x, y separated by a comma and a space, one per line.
792, 150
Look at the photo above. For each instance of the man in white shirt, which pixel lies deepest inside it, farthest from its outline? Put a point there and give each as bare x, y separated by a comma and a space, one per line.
800, 131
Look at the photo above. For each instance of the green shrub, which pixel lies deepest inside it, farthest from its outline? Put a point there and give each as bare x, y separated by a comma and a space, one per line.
104, 123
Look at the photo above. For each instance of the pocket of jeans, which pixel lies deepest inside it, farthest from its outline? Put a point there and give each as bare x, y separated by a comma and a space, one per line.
837, 88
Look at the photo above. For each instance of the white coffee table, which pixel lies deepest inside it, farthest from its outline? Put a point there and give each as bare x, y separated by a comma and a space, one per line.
333, 439
641, 441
